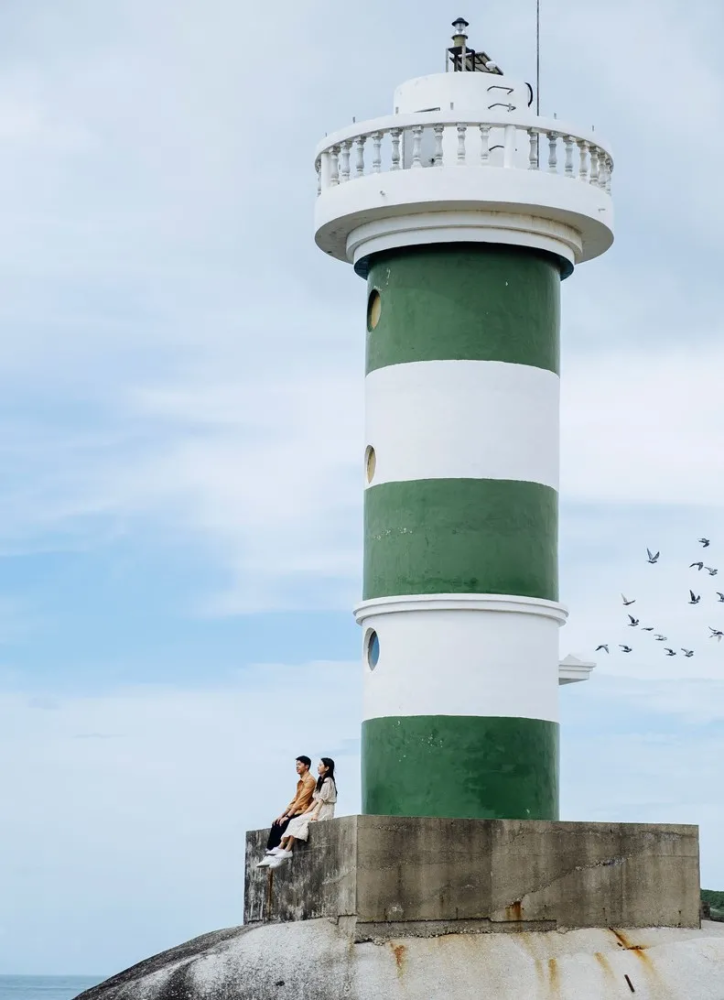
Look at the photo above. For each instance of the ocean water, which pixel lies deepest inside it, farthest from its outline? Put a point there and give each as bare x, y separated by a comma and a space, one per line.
45, 987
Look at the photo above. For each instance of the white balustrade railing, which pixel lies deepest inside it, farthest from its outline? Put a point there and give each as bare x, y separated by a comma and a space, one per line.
434, 140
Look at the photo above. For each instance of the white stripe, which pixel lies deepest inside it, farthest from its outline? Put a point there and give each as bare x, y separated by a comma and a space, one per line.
463, 419
448, 662
460, 602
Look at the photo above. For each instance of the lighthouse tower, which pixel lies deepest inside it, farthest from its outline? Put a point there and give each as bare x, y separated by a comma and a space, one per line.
464, 211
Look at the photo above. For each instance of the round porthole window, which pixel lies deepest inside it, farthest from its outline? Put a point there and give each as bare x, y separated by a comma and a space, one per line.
372, 645
374, 308
370, 463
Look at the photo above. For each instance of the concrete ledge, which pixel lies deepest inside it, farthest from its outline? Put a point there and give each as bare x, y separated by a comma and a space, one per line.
379, 933
390, 876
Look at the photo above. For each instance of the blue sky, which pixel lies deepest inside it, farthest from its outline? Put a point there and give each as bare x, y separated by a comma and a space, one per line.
181, 432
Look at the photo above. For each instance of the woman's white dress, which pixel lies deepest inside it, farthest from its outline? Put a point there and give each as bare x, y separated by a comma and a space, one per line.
323, 803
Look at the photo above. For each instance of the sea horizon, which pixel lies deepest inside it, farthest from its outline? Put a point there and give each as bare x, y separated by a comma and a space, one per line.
46, 987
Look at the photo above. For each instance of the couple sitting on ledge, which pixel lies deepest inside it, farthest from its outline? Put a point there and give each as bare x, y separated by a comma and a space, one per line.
314, 800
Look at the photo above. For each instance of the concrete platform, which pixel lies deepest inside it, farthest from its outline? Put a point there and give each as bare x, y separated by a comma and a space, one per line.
391, 877
391, 908
315, 960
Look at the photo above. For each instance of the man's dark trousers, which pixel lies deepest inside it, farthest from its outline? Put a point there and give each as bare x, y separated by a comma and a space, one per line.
277, 832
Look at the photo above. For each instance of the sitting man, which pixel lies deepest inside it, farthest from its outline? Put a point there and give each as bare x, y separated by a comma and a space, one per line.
299, 805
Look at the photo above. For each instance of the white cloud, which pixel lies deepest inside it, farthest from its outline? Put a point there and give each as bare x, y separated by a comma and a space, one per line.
163, 273
269, 473
644, 426
153, 808
649, 77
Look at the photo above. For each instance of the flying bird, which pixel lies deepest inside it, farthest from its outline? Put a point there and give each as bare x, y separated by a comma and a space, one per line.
687, 652
716, 633
626, 603
660, 638
720, 596
670, 652
695, 598
704, 542
653, 558
647, 628
699, 566
626, 649
633, 621
710, 571
604, 645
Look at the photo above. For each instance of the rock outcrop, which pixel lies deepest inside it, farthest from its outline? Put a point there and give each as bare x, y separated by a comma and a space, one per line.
316, 960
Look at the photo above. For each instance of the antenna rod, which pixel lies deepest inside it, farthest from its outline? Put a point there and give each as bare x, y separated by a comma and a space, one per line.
537, 57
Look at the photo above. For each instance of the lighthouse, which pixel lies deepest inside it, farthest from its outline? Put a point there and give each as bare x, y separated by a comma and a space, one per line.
464, 211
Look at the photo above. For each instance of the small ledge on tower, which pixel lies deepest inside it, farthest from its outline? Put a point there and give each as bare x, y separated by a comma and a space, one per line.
572, 670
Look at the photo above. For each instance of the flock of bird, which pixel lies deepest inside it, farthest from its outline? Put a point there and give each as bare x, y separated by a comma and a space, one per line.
634, 622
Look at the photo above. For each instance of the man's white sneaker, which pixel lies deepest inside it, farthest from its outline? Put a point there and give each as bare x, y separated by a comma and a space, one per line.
276, 862
264, 863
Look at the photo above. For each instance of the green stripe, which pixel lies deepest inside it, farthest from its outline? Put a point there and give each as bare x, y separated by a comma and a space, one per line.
478, 302
460, 766
453, 536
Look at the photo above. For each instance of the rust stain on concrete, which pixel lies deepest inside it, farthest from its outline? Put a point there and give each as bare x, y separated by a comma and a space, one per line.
604, 963
400, 953
514, 911
638, 949
620, 937
640, 953
269, 893
554, 976
549, 976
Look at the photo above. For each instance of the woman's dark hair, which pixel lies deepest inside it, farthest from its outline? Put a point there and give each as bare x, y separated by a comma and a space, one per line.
329, 764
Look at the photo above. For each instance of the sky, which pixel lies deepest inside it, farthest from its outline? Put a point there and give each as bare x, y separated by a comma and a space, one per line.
181, 438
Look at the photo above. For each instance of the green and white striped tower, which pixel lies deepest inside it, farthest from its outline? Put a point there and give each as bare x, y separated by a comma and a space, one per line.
464, 210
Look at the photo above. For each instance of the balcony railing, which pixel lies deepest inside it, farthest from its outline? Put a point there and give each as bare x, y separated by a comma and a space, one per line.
434, 140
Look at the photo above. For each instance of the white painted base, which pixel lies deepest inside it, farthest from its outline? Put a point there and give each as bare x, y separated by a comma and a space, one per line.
314, 958
463, 420
462, 654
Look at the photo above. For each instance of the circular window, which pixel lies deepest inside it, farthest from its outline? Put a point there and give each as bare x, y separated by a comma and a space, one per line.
374, 308
372, 646
370, 463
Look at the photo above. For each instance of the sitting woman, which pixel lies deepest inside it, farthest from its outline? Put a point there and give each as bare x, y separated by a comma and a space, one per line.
323, 803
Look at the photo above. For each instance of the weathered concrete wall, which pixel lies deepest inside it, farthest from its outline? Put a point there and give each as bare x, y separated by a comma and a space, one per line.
320, 881
397, 876
315, 960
